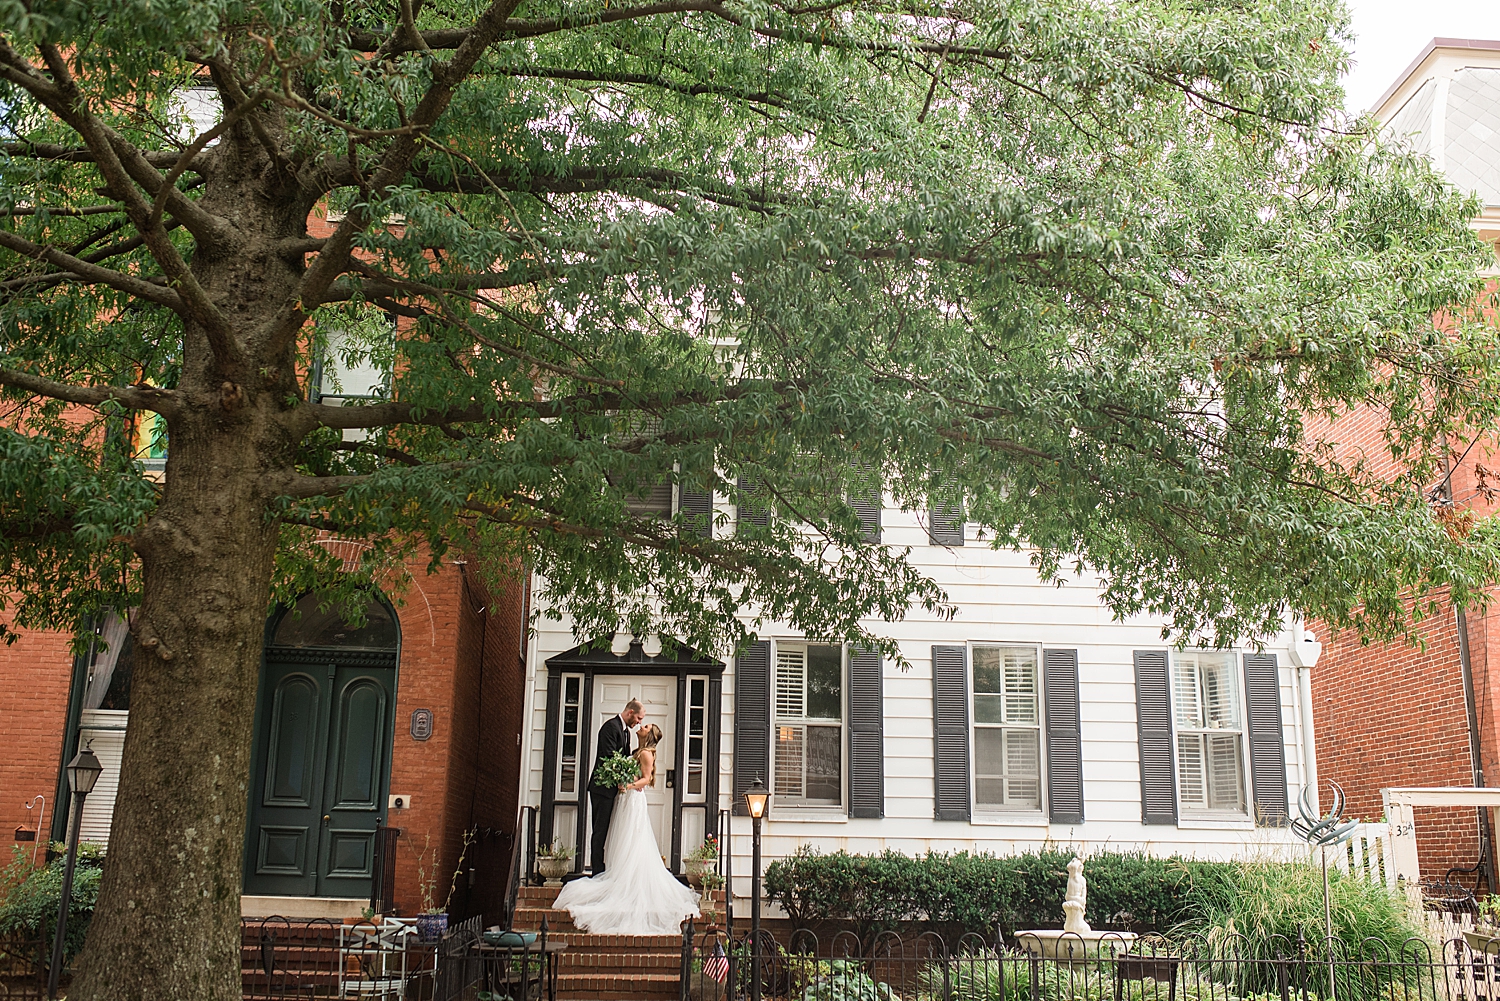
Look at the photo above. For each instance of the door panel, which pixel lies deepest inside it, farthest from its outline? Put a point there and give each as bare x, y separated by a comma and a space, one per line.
323, 754
292, 748
658, 696
362, 738
286, 822
361, 734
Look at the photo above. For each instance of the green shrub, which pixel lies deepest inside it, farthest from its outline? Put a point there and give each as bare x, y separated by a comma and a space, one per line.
32, 895
982, 893
966, 892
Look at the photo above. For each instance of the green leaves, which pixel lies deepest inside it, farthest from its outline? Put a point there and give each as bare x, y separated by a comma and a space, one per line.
1105, 275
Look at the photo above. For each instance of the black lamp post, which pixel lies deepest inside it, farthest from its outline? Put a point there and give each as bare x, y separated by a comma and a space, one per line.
757, 798
83, 772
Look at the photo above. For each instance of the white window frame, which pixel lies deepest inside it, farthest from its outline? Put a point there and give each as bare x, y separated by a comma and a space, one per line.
1237, 686
580, 780
991, 811
841, 807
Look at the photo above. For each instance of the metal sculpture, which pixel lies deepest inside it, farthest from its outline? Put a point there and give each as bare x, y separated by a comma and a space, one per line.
1328, 830
1324, 832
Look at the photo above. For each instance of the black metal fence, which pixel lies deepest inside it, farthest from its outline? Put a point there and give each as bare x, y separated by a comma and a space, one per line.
319, 957
512, 967
928, 967
23, 966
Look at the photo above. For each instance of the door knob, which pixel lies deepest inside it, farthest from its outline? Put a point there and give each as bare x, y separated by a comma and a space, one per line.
671, 777
326, 818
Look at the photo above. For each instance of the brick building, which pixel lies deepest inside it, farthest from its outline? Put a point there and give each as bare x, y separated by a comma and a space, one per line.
445, 746
1398, 715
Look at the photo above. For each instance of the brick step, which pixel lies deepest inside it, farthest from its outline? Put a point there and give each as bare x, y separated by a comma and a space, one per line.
530, 919
618, 962
585, 942
251, 980
631, 987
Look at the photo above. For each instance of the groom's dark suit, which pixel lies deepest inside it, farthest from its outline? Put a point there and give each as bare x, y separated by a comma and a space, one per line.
612, 737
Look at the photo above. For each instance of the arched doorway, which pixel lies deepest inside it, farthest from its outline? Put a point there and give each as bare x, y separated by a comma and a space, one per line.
320, 770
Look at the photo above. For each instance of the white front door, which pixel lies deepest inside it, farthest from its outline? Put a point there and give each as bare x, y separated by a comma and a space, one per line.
659, 697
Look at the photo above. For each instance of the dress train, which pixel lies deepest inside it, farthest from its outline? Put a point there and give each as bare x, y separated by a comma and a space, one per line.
635, 895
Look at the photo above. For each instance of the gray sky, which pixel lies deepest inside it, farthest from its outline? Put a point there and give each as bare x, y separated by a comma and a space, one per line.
1390, 33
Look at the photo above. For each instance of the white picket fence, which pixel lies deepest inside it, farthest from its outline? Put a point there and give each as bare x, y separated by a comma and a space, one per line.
1366, 855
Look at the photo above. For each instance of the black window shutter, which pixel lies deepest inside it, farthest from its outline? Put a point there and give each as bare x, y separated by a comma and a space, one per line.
868, 506
753, 511
945, 525
752, 720
1153, 721
950, 732
1267, 743
866, 736
1064, 736
696, 508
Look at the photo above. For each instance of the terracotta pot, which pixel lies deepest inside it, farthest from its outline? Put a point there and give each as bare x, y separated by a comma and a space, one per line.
554, 869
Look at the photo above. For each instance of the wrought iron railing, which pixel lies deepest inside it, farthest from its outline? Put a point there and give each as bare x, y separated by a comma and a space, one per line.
931, 967
726, 866
522, 861
383, 885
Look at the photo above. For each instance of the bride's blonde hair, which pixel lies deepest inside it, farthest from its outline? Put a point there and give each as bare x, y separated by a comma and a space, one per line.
649, 740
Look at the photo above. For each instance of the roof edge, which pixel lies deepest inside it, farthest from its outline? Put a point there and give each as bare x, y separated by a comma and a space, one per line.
1477, 44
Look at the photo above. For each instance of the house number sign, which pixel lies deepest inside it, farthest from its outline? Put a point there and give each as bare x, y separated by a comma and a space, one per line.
421, 724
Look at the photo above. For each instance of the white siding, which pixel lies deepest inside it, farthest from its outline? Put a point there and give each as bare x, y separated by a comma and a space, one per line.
999, 599
106, 729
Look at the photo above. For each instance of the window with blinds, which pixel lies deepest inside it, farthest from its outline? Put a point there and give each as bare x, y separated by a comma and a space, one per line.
1007, 729
1210, 733
808, 706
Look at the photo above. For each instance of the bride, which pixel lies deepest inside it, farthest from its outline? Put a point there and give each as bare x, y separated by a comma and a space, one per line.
635, 895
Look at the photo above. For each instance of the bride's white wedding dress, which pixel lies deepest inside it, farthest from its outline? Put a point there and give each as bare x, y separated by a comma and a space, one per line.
635, 895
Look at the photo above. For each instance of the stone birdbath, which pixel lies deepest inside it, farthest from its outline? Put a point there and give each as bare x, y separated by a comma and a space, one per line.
1075, 942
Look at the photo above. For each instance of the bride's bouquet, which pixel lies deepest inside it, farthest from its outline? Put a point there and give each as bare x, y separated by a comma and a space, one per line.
617, 770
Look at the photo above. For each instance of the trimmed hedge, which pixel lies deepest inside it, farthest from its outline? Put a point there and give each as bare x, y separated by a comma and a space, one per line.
982, 893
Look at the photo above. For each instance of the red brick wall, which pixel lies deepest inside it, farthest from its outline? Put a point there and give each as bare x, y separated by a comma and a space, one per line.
35, 675
467, 667
1393, 715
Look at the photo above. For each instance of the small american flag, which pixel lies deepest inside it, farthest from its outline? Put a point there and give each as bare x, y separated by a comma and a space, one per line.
718, 964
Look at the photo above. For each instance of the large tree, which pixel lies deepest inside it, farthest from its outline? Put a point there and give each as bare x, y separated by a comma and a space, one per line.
1091, 271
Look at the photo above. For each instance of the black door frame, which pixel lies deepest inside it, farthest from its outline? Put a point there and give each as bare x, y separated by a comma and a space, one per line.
319, 656
683, 663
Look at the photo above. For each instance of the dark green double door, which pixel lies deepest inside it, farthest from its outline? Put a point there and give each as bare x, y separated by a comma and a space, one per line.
321, 771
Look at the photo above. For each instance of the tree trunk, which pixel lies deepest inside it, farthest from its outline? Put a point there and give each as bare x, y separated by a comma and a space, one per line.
167, 922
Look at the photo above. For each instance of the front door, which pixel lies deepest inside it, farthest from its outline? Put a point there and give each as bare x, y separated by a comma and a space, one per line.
318, 795
658, 695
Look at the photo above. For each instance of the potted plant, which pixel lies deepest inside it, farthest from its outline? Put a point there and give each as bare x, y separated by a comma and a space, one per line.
432, 920
701, 860
712, 882
554, 861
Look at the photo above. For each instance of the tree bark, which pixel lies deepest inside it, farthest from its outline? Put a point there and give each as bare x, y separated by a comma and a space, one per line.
175, 855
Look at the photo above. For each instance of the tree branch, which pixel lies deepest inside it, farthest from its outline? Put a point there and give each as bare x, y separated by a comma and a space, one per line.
334, 258
64, 99
94, 273
76, 154
452, 38
161, 401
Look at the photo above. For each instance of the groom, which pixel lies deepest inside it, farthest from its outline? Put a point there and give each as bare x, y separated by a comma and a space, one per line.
614, 736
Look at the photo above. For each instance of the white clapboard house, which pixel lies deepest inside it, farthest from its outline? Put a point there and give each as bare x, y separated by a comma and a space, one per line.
1032, 716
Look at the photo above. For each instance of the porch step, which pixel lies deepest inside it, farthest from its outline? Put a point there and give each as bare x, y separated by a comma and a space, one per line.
618, 987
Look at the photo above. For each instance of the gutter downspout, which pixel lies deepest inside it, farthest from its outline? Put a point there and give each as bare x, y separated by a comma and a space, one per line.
1309, 745
1485, 865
